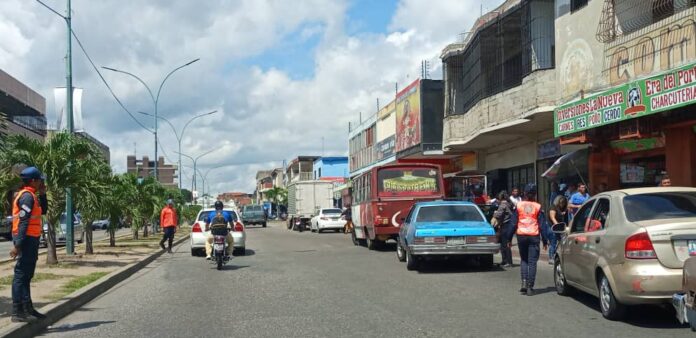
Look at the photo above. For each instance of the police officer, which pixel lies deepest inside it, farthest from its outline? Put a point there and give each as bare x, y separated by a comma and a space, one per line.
27, 208
530, 228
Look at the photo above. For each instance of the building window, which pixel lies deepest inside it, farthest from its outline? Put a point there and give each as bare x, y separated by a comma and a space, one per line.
577, 4
319, 173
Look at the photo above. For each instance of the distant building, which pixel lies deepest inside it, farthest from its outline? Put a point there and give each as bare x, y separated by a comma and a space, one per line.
264, 182
145, 168
240, 198
331, 169
101, 146
25, 109
300, 169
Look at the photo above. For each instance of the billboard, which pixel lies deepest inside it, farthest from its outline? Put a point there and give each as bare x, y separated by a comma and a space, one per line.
673, 89
408, 117
386, 131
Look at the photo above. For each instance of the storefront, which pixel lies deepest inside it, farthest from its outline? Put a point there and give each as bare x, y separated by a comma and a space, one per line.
639, 132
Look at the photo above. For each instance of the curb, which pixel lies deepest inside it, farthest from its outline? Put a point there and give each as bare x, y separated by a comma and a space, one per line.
56, 311
7, 260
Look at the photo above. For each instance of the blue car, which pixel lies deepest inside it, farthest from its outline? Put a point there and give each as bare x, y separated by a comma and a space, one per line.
445, 228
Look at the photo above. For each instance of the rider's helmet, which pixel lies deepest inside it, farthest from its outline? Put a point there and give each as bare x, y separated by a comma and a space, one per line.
218, 205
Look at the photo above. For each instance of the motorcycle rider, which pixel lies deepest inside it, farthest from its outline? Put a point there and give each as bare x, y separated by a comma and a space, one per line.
217, 220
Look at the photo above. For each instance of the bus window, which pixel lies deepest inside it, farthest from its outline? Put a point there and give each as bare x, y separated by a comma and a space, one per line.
408, 181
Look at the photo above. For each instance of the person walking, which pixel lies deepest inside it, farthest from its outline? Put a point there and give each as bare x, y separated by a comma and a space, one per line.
515, 197
27, 208
169, 223
557, 214
502, 217
529, 226
348, 216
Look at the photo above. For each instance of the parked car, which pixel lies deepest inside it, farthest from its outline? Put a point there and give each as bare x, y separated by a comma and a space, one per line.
685, 301
327, 219
6, 228
61, 231
628, 247
200, 232
101, 224
445, 228
254, 214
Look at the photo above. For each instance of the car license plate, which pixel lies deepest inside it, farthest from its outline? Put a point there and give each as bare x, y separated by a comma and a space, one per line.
692, 247
218, 247
456, 240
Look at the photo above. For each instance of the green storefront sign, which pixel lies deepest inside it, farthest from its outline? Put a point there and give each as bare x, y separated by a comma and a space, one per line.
673, 89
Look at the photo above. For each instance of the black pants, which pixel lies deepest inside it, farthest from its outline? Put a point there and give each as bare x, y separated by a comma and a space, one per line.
168, 235
24, 270
505, 250
529, 255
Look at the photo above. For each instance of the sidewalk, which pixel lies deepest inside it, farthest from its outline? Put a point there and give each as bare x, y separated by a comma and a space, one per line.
52, 283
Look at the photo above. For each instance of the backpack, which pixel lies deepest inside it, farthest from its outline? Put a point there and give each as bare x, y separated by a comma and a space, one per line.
219, 221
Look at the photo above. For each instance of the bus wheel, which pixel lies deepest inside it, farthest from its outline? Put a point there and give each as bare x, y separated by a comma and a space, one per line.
372, 244
353, 238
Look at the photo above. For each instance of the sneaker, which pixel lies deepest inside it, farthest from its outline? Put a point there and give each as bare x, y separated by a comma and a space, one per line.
508, 265
169, 250
208, 257
530, 291
162, 246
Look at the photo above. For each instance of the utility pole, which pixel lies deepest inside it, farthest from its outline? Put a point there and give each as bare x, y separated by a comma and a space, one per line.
69, 240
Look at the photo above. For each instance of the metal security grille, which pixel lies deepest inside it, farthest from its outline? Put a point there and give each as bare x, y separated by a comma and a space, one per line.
500, 55
620, 17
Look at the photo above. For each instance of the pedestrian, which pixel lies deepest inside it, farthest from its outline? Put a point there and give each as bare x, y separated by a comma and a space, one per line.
28, 206
530, 228
515, 197
557, 214
169, 223
502, 217
570, 190
348, 216
555, 191
578, 198
665, 181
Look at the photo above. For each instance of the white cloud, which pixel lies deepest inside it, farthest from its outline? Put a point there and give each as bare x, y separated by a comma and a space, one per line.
264, 115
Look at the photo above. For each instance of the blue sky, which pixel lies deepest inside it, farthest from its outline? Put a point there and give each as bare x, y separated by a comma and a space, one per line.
295, 53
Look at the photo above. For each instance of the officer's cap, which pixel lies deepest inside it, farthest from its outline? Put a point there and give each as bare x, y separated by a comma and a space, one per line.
31, 173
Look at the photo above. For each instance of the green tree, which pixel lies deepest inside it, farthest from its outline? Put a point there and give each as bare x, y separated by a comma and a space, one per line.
64, 159
90, 198
277, 195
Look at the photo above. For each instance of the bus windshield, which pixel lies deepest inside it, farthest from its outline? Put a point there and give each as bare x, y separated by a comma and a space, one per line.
408, 181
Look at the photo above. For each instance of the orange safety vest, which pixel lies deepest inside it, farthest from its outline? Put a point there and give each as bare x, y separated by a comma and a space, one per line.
168, 217
528, 215
34, 228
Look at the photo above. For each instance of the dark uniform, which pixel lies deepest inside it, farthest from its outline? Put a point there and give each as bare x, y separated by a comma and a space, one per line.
27, 209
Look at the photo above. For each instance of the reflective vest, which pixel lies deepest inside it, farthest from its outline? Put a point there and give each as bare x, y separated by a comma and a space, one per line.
168, 217
34, 228
528, 215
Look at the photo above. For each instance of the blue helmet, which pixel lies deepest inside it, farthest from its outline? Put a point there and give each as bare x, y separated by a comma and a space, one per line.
530, 189
31, 173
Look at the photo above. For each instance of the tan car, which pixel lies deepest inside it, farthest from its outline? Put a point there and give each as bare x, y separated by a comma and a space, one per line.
686, 311
628, 247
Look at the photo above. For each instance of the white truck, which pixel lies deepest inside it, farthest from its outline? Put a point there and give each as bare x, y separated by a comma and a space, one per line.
305, 199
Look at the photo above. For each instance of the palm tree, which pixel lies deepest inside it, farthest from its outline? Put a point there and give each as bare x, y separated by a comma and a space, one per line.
90, 198
119, 203
277, 194
65, 159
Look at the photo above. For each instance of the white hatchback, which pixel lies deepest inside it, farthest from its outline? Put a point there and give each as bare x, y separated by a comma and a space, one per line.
327, 219
200, 232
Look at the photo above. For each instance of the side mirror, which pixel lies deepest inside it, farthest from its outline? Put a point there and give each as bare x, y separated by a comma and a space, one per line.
559, 228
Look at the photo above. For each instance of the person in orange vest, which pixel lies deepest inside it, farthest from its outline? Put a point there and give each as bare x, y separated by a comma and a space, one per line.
27, 208
530, 228
169, 223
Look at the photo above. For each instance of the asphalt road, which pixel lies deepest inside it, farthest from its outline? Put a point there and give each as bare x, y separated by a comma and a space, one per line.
5, 246
320, 285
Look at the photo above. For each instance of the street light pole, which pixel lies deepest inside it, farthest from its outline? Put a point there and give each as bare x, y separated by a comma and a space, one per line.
180, 136
155, 99
69, 240
195, 160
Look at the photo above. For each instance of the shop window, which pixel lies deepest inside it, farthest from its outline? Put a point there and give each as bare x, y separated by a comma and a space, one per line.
519, 177
641, 172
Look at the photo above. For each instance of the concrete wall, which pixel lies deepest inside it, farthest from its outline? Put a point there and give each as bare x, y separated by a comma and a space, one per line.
538, 91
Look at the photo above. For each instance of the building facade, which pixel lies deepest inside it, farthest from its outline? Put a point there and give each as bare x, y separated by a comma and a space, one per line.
24, 108
240, 199
626, 70
143, 168
331, 168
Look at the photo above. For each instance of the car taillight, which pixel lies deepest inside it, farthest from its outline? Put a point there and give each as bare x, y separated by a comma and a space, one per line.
430, 240
480, 239
639, 246
196, 227
238, 227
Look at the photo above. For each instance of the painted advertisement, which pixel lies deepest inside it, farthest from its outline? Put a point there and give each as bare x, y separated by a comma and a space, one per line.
408, 115
673, 89
385, 148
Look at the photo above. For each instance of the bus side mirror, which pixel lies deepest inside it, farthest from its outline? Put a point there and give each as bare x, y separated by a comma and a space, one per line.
559, 228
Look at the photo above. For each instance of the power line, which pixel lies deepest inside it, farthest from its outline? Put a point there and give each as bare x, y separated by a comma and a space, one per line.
106, 83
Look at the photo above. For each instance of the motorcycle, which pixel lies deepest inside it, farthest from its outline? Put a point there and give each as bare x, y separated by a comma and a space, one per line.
219, 249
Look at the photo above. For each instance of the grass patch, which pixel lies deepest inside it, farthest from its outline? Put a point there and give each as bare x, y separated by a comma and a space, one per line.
76, 284
38, 277
63, 265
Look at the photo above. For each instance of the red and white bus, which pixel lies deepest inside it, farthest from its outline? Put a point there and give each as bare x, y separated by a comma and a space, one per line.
383, 196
